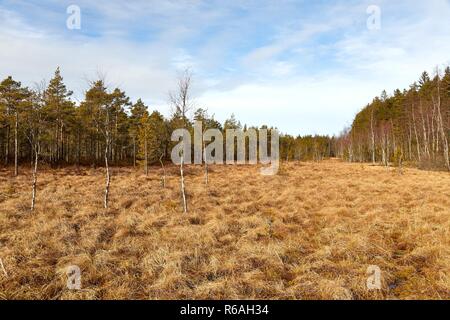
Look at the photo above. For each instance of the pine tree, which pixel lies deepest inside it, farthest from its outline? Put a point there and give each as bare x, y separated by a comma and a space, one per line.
144, 135
138, 111
12, 97
61, 112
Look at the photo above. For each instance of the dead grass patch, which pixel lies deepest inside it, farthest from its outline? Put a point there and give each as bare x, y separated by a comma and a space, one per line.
308, 233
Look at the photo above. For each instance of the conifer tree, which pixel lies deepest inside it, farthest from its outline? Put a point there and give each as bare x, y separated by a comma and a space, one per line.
13, 97
138, 111
61, 113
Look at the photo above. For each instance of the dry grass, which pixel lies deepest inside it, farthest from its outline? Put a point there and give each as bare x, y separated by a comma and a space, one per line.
308, 233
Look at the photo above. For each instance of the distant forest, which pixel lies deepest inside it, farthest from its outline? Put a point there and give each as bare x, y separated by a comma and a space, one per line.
76, 134
411, 125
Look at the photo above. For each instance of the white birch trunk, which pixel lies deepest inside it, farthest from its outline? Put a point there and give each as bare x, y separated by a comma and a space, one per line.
164, 171
145, 155
416, 134
16, 145
441, 128
183, 193
108, 178
373, 137
34, 183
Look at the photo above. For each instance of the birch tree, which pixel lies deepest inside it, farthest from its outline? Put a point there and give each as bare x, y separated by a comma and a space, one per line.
182, 104
98, 97
440, 122
413, 123
35, 118
372, 131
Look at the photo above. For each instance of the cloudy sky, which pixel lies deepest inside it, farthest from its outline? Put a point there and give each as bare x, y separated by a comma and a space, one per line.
302, 66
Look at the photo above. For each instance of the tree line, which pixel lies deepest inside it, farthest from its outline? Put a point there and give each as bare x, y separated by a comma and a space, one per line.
107, 125
412, 125
45, 125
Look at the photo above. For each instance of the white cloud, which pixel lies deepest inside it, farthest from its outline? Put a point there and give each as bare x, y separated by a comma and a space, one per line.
366, 63
296, 106
308, 74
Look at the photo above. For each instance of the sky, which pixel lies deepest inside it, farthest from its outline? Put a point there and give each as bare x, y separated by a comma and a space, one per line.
305, 67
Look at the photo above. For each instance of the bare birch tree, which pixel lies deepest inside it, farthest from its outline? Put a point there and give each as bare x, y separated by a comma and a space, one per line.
16, 141
372, 135
416, 134
163, 178
145, 152
107, 146
35, 123
182, 104
98, 96
440, 122
183, 188
37, 150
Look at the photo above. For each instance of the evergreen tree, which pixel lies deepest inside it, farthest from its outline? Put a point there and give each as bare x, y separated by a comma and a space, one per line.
60, 111
12, 98
138, 111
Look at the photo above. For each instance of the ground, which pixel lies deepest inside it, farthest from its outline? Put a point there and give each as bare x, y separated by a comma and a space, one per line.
310, 232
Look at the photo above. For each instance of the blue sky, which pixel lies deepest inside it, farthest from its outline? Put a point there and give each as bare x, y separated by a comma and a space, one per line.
303, 66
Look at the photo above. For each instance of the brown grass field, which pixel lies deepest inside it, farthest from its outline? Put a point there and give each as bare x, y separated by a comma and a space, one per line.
309, 232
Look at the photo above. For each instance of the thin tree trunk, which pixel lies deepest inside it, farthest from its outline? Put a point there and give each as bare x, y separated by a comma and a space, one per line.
34, 184
8, 129
433, 132
183, 193
410, 142
16, 145
425, 137
114, 141
107, 144
400, 162
445, 143
145, 154
31, 155
61, 154
78, 148
206, 163
97, 147
441, 128
416, 134
134, 151
57, 141
373, 137
350, 152
383, 156
66, 149
388, 155
108, 178
164, 171
394, 141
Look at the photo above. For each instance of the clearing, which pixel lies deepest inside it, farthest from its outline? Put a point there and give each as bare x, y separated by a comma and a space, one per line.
310, 232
